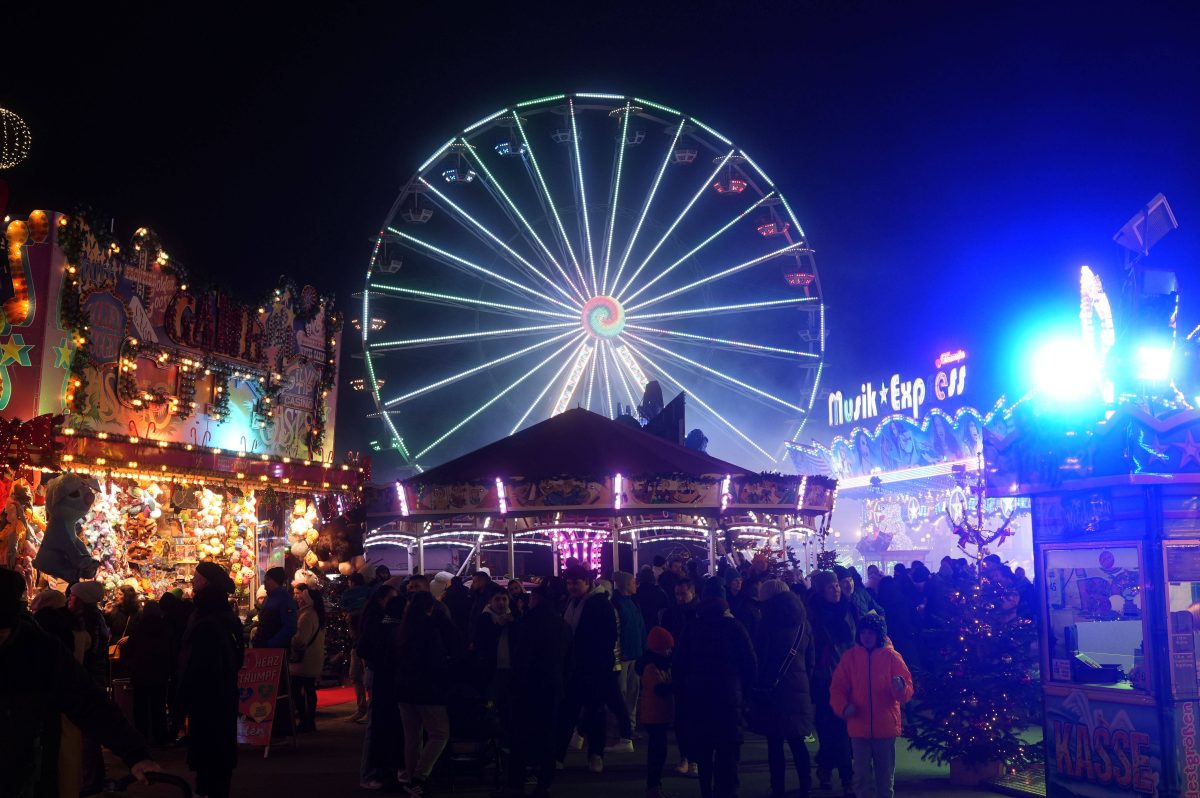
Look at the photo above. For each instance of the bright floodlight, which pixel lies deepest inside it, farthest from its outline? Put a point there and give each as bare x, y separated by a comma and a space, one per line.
1154, 363
1064, 369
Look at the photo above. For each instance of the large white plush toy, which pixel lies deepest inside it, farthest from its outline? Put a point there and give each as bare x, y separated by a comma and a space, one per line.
63, 554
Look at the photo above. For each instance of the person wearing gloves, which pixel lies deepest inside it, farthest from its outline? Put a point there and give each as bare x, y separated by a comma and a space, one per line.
39, 680
869, 685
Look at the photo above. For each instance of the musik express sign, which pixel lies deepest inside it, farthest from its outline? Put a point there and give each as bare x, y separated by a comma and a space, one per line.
897, 395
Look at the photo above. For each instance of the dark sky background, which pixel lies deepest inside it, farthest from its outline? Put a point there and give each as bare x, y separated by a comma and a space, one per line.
953, 164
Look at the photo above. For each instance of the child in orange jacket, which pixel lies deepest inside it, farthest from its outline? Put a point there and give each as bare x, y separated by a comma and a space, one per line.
656, 707
869, 685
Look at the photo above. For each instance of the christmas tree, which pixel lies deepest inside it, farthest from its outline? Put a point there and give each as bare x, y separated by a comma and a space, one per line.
977, 692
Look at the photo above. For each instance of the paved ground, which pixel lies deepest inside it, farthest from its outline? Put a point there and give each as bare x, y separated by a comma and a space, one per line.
326, 764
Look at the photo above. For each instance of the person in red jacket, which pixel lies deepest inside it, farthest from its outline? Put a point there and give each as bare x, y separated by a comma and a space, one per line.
869, 685
656, 709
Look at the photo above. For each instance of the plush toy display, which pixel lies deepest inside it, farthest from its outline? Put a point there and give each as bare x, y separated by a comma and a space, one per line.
63, 554
15, 528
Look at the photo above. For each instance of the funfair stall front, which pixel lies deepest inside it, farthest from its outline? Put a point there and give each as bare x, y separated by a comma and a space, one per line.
204, 425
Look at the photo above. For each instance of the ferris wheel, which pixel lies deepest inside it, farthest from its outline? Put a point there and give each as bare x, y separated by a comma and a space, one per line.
567, 250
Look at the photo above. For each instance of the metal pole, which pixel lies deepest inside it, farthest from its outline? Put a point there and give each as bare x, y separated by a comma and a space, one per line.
421, 552
512, 553
633, 538
479, 553
616, 545
408, 555
553, 556
712, 551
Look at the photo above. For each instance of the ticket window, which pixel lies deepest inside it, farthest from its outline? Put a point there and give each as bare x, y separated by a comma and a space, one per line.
1183, 608
1095, 618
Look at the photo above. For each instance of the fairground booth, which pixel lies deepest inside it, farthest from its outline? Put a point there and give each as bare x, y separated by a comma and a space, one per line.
907, 452
203, 425
582, 486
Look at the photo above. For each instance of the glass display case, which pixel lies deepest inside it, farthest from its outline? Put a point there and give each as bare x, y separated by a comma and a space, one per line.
1182, 569
1095, 614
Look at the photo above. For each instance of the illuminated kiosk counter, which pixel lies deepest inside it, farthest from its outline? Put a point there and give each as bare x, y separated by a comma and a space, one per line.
1116, 527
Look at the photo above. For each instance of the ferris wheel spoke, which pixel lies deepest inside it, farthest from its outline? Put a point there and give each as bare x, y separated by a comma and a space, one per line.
715, 309
458, 262
718, 374
700, 246
437, 298
614, 196
633, 401
769, 351
500, 395
587, 227
699, 193
727, 272
696, 398
574, 376
550, 383
649, 201
607, 382
545, 195
458, 338
494, 188
465, 217
591, 378
442, 383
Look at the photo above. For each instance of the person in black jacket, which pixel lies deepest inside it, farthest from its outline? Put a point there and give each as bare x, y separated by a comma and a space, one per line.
430, 645
541, 648
714, 669
207, 696
384, 737
593, 657
679, 616
39, 680
650, 598
782, 709
150, 657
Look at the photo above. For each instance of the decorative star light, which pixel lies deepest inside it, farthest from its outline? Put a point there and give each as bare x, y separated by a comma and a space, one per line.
1189, 451
15, 350
63, 354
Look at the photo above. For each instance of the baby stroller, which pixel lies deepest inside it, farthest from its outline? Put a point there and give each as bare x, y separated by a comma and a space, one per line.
474, 737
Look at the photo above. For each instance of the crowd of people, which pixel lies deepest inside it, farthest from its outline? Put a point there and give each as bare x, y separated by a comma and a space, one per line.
605, 666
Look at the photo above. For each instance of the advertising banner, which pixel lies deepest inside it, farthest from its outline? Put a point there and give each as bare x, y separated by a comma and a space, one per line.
258, 689
1098, 747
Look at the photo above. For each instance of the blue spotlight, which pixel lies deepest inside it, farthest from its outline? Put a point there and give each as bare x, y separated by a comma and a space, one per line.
1154, 363
1064, 369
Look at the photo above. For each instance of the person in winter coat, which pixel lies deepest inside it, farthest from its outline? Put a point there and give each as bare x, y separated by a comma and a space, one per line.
308, 655
384, 734
84, 604
430, 646
714, 669
650, 598
39, 681
120, 622
491, 647
632, 642
657, 707
869, 685
207, 696
900, 615
593, 620
679, 616
832, 621
277, 618
743, 602
518, 598
853, 589
782, 709
541, 648
150, 657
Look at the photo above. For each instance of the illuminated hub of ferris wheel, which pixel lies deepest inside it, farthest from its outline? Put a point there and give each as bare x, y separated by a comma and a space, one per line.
613, 282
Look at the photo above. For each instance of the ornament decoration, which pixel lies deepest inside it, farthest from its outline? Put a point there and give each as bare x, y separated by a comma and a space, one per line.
976, 533
15, 139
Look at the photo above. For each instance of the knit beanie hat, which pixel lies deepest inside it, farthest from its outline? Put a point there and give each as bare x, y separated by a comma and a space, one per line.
772, 588
872, 620
660, 640
713, 588
840, 572
48, 599
88, 592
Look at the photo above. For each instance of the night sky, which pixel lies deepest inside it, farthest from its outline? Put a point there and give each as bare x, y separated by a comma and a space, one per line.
953, 164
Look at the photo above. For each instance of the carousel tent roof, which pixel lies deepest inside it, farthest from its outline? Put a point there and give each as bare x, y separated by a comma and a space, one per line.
581, 443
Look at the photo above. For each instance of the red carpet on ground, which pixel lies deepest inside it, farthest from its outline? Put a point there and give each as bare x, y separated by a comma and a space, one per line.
333, 696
